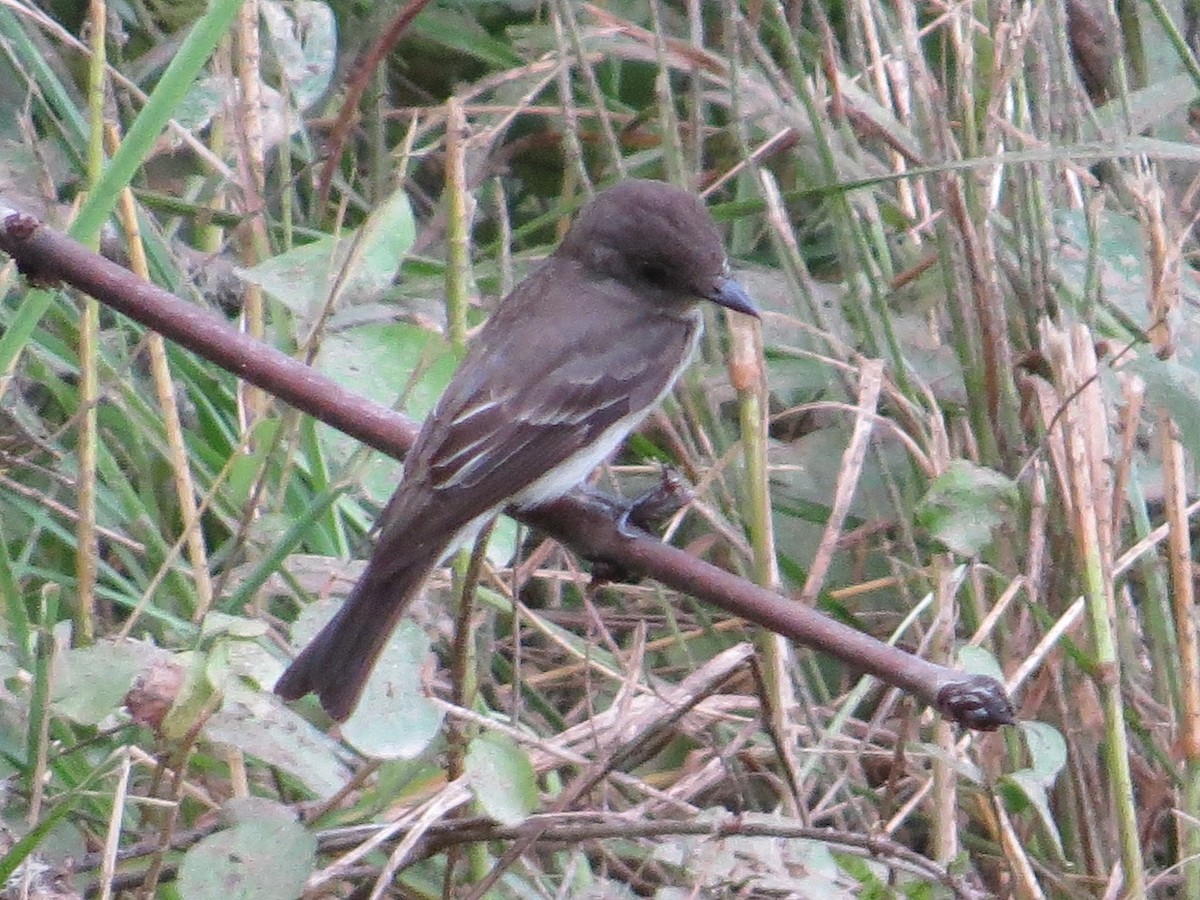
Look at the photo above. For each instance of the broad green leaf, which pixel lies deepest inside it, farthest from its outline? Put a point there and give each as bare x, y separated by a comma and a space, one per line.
502, 778
1172, 384
1139, 111
91, 682
394, 718
1025, 787
263, 727
218, 623
979, 661
266, 855
964, 504
195, 695
1116, 242
359, 263
1047, 750
384, 362
768, 866
303, 36
205, 99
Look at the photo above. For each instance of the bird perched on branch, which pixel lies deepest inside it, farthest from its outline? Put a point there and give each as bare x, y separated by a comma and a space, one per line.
570, 363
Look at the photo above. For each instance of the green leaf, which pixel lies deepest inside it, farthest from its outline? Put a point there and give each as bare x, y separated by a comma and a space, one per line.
359, 263
218, 668
205, 99
394, 719
1115, 243
768, 866
1026, 787
979, 661
389, 361
91, 682
266, 855
1175, 385
462, 33
219, 623
383, 362
195, 694
1047, 750
1141, 110
502, 778
303, 38
964, 504
261, 726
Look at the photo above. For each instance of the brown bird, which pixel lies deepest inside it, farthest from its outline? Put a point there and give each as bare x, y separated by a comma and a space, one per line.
568, 365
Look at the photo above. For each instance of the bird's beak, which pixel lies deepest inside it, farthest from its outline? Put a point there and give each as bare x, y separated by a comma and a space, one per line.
731, 295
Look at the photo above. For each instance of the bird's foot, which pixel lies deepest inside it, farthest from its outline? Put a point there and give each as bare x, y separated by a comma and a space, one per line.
638, 516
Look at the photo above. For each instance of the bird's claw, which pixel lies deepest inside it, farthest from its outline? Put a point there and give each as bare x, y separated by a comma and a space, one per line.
636, 517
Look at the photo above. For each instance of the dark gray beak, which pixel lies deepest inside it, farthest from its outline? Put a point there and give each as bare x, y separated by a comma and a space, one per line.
731, 295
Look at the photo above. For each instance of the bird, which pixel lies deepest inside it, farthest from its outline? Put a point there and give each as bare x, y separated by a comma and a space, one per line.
568, 365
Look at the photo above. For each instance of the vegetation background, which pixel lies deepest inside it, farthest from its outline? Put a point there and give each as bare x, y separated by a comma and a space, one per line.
971, 224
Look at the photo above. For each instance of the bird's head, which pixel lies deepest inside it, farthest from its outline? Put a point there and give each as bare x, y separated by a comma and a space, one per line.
657, 239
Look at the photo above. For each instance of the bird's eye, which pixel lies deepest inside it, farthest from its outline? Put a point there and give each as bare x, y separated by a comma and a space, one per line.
654, 272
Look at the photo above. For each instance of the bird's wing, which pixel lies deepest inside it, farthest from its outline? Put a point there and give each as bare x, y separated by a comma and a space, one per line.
501, 438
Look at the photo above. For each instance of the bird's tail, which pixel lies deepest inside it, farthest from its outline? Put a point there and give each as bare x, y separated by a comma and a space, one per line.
337, 662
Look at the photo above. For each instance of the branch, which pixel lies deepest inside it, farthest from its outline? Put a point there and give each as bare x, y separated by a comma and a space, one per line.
46, 256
